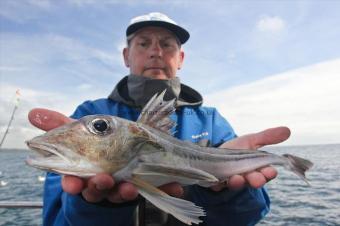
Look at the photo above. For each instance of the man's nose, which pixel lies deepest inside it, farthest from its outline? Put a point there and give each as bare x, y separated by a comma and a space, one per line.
156, 50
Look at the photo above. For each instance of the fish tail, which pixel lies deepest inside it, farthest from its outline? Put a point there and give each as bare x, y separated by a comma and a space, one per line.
298, 165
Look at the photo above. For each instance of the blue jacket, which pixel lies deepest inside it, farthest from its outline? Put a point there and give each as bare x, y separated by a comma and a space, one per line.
245, 207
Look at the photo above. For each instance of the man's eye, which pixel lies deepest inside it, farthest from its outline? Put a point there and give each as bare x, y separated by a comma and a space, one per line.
168, 45
143, 44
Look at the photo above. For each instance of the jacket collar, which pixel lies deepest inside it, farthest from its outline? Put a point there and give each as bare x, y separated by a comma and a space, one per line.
135, 91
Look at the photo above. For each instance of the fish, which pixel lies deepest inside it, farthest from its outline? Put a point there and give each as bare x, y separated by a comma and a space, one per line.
145, 153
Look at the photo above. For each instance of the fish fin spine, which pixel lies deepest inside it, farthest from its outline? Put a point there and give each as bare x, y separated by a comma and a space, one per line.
156, 113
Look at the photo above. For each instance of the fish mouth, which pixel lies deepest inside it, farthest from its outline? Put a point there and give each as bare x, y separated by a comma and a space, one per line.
46, 153
51, 158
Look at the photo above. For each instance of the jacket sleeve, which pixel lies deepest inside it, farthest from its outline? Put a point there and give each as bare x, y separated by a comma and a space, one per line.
232, 208
61, 208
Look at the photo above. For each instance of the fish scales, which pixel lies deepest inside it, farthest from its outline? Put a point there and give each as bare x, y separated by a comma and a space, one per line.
199, 157
222, 163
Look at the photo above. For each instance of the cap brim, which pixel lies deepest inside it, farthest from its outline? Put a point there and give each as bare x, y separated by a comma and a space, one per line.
182, 34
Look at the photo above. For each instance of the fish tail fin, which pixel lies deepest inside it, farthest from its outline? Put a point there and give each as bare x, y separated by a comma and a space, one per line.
298, 165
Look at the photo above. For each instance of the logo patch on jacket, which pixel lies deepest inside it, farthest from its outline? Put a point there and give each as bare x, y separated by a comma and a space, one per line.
201, 135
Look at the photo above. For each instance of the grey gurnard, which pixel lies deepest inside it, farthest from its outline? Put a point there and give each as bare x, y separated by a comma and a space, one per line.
146, 154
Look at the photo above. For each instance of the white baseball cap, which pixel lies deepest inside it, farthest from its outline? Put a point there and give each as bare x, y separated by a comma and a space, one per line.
158, 20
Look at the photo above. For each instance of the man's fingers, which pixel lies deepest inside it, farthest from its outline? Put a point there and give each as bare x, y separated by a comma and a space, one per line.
92, 196
98, 187
268, 172
271, 136
236, 182
128, 192
46, 119
218, 187
260, 139
72, 185
101, 182
173, 189
255, 179
123, 192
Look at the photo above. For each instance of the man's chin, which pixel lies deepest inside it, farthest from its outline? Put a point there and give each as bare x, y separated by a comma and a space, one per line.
155, 75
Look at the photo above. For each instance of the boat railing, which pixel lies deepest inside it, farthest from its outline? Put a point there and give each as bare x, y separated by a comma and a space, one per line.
21, 204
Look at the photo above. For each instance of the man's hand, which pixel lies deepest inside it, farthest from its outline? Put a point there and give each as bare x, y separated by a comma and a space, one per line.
97, 188
260, 177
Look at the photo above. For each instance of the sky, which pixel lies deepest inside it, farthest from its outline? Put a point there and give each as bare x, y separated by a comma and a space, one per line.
260, 63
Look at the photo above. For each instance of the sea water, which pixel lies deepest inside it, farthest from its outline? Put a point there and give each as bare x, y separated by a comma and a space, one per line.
292, 202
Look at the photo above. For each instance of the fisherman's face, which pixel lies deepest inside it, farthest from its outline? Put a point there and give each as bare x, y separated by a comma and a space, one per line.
154, 52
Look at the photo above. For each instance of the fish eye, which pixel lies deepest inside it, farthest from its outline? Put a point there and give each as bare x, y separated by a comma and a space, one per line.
100, 126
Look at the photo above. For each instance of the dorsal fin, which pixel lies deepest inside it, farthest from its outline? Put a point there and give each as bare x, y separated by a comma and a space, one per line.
156, 113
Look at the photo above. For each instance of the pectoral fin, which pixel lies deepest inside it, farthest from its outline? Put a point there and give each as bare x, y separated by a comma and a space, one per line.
183, 210
183, 174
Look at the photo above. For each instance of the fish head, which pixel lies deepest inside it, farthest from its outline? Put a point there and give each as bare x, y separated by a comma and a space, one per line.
84, 147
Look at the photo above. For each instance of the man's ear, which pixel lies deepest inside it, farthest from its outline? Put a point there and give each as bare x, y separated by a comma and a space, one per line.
181, 59
126, 56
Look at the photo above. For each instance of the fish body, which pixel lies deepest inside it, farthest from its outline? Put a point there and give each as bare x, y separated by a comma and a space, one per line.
146, 154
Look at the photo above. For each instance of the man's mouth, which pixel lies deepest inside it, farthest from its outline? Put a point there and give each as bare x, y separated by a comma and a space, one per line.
155, 68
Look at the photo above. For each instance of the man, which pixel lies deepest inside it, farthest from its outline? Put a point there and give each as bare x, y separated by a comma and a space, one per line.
153, 55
